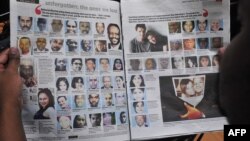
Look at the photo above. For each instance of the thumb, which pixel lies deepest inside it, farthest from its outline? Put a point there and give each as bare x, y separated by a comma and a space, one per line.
13, 59
185, 115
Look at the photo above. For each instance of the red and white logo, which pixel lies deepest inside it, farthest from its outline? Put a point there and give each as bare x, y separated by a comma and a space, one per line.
205, 13
38, 10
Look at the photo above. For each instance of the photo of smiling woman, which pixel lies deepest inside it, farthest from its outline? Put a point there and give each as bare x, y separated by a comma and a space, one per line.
117, 66
137, 81
46, 104
188, 26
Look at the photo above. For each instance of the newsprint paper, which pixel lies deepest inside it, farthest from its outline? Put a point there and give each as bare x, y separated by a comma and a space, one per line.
131, 70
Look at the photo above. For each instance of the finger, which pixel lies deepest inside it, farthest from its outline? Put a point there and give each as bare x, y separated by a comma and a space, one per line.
188, 107
4, 56
221, 51
2, 68
185, 115
14, 59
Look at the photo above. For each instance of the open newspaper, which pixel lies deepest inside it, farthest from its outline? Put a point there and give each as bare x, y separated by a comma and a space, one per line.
129, 70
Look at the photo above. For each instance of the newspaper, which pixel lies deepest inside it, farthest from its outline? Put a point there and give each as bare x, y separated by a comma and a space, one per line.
83, 81
170, 51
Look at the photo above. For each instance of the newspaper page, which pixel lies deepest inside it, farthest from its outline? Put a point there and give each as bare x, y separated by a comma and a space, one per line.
72, 69
172, 65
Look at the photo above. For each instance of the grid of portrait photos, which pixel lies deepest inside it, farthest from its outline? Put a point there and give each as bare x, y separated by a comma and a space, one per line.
185, 47
75, 69
138, 101
178, 47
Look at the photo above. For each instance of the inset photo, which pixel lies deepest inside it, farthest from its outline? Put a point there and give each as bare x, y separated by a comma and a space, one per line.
164, 63
216, 42
135, 65
178, 62
70, 27
85, 28
188, 26
202, 25
140, 121
174, 27
150, 64
176, 45
204, 61
216, 25
191, 62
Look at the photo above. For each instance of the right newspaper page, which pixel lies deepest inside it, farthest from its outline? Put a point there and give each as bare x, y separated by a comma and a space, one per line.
170, 49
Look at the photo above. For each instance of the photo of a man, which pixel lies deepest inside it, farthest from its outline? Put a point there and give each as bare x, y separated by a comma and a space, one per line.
108, 100
41, 25
95, 119
140, 43
76, 64
41, 43
86, 45
25, 45
100, 27
72, 45
60, 64
56, 25
56, 44
141, 121
120, 99
93, 82
90, 64
84, 27
27, 72
114, 37
107, 82
25, 23
71, 27
94, 99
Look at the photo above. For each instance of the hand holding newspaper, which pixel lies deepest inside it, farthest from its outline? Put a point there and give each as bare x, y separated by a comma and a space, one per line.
126, 70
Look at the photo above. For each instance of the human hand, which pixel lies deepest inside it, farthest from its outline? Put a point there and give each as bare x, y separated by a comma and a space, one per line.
10, 81
192, 113
220, 53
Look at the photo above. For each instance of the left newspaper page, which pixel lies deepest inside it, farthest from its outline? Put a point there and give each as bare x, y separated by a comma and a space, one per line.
72, 69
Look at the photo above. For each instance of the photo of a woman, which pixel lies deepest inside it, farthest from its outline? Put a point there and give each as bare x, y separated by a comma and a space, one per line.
117, 65
204, 61
202, 25
137, 81
120, 84
188, 26
46, 104
138, 94
138, 107
79, 121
